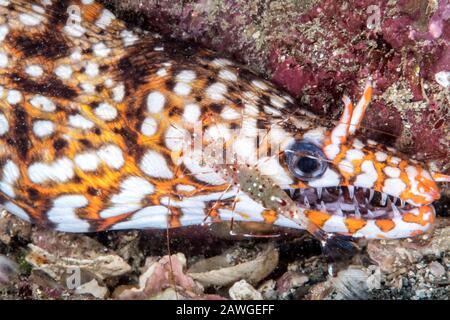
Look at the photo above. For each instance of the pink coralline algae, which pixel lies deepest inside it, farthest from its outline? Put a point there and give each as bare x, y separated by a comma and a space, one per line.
317, 50
435, 25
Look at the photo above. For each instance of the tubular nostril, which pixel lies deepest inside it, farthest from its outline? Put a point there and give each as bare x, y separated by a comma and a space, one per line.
440, 177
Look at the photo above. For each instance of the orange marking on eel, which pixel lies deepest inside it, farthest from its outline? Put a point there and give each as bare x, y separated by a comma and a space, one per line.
354, 225
419, 219
299, 185
108, 222
317, 217
428, 185
385, 225
407, 194
379, 166
341, 154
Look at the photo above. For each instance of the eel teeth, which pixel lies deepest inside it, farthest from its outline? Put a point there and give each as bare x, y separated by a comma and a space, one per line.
383, 199
339, 211
292, 192
371, 193
395, 210
323, 207
306, 202
351, 191
357, 213
319, 192
340, 200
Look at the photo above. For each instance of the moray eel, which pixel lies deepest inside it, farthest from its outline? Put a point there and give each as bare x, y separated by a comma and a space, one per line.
103, 127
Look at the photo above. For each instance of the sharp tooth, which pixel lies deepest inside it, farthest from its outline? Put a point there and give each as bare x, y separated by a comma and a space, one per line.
370, 214
395, 200
319, 192
323, 207
339, 210
402, 203
395, 210
383, 199
371, 193
292, 192
306, 202
302, 191
357, 213
351, 191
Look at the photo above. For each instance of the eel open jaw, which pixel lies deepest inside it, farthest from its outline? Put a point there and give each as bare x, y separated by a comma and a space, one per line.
362, 213
358, 203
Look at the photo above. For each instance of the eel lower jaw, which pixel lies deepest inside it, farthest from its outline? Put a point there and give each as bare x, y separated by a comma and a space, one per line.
351, 202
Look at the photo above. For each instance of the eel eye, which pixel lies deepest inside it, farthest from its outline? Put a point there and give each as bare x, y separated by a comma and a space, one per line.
305, 160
